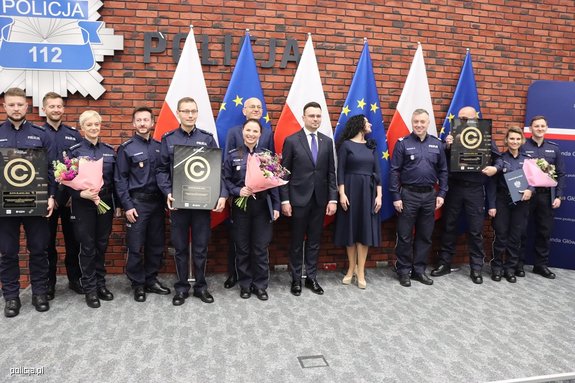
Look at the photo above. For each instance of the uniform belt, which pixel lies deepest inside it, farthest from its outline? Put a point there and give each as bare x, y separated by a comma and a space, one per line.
542, 190
418, 188
142, 196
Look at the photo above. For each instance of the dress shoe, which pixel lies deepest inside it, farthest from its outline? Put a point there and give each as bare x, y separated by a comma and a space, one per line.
361, 283
296, 288
544, 272
441, 270
204, 296
496, 276
261, 294
40, 302
12, 307
158, 288
313, 286
51, 292
231, 281
245, 293
139, 294
423, 278
105, 294
476, 277
179, 299
510, 277
404, 280
347, 280
519, 272
76, 287
92, 300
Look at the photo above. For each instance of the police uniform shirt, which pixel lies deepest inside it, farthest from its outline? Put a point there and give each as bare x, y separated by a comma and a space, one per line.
235, 139
506, 163
64, 138
550, 152
100, 150
30, 136
417, 162
136, 168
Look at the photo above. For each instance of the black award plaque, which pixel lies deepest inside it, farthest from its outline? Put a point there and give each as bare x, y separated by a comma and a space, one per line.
471, 148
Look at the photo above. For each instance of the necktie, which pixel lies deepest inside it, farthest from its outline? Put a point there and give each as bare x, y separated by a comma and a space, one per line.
313, 147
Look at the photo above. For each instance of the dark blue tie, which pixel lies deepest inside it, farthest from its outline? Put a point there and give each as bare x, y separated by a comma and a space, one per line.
313, 148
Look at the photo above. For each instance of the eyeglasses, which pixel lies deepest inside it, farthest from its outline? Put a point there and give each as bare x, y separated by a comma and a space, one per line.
187, 111
254, 107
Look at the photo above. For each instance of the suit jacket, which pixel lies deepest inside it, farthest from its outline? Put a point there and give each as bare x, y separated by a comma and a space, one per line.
308, 180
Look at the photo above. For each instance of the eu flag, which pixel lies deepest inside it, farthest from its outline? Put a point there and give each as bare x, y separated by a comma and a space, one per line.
363, 99
244, 84
465, 95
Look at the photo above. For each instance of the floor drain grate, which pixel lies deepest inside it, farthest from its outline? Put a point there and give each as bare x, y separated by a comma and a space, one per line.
312, 361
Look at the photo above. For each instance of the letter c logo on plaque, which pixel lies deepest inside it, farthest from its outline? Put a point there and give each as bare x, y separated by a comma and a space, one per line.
471, 148
19, 172
196, 177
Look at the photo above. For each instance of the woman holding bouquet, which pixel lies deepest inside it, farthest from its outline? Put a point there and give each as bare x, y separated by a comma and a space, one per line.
252, 221
509, 218
92, 227
357, 223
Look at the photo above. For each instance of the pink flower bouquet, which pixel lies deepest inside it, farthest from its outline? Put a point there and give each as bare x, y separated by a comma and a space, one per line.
539, 173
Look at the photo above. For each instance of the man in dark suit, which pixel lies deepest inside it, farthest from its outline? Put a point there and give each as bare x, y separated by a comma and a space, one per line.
310, 194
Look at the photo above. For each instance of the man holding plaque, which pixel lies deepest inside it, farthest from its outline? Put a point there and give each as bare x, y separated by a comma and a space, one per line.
182, 220
17, 133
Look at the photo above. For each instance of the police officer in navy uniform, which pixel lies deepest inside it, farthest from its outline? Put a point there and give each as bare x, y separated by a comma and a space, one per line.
18, 133
143, 203
417, 164
92, 228
252, 109
252, 226
64, 137
467, 193
183, 219
545, 199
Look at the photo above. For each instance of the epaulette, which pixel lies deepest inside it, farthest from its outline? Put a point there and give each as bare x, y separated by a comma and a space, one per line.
38, 127
552, 143
70, 127
75, 146
401, 138
108, 145
153, 139
205, 131
232, 150
168, 133
127, 142
437, 138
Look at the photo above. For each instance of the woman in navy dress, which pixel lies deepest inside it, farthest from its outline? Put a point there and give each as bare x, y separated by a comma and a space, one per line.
357, 224
509, 218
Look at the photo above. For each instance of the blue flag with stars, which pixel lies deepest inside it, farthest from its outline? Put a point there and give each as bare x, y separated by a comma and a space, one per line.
465, 95
363, 99
244, 84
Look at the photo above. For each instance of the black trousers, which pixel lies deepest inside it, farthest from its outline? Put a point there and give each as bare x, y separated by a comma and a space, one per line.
72, 246
541, 214
145, 240
412, 249
305, 221
37, 233
92, 231
252, 231
509, 224
470, 199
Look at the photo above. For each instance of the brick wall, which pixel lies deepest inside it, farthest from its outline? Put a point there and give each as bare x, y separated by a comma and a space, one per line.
513, 43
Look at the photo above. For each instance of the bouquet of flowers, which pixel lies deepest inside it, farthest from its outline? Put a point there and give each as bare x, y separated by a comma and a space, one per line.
539, 172
80, 174
263, 171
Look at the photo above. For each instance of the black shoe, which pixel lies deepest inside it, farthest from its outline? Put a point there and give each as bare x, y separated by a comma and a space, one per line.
544, 272
12, 307
313, 286
519, 272
204, 296
92, 300
231, 281
441, 270
40, 302
245, 293
510, 277
261, 294
139, 294
50, 292
476, 277
496, 276
404, 280
158, 288
423, 278
179, 299
76, 286
105, 294
296, 288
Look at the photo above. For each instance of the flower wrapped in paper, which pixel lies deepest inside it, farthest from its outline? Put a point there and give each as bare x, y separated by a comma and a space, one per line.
82, 174
539, 172
263, 171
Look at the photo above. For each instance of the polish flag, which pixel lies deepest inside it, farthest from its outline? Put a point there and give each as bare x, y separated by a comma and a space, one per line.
306, 87
415, 95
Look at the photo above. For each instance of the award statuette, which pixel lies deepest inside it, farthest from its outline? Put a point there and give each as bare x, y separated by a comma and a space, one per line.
23, 182
516, 183
471, 148
196, 177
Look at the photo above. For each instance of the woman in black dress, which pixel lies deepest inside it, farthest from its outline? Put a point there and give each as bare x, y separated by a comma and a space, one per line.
357, 224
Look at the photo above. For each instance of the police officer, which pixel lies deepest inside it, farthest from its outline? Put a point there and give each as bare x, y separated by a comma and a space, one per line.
545, 199
64, 137
467, 193
18, 133
252, 109
143, 203
252, 226
418, 162
93, 229
182, 220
